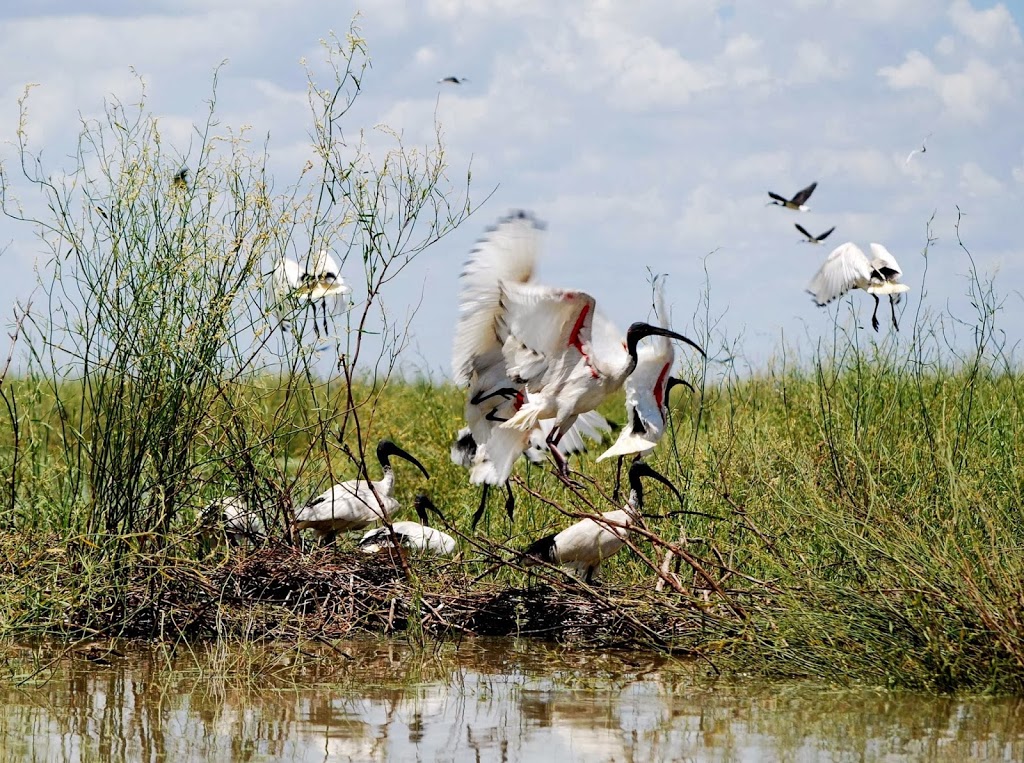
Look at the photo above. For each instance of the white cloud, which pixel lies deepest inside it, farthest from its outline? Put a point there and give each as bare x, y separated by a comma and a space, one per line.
863, 166
975, 182
990, 28
968, 94
946, 46
1018, 173
815, 63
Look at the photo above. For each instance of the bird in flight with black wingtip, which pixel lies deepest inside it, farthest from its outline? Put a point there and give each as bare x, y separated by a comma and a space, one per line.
814, 239
799, 200
453, 81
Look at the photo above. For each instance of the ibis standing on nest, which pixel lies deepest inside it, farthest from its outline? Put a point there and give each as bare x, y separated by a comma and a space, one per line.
415, 536
291, 285
799, 200
506, 253
647, 390
847, 267
583, 546
355, 504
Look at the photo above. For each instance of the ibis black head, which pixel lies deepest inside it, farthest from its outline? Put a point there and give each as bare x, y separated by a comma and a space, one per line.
423, 504
640, 469
386, 449
641, 330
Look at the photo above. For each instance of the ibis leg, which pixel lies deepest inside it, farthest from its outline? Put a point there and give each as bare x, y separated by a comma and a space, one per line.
874, 314
892, 307
480, 509
510, 501
618, 479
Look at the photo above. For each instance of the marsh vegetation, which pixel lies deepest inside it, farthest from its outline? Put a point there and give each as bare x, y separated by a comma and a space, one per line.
853, 513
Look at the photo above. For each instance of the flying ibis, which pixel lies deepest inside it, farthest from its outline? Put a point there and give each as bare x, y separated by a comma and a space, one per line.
544, 352
292, 285
799, 200
847, 267
814, 239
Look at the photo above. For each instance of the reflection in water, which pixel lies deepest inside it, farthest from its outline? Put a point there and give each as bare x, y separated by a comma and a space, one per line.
480, 700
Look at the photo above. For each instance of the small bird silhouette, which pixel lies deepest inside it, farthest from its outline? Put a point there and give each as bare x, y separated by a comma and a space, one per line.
453, 81
799, 200
180, 178
814, 239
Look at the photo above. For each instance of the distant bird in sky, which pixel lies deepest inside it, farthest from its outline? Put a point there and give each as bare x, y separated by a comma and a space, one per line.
453, 80
814, 239
291, 284
922, 150
411, 535
799, 200
847, 267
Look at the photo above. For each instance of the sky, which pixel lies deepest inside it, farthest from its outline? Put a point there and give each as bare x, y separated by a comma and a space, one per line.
645, 134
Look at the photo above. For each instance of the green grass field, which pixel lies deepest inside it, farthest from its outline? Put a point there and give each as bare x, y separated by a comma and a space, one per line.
866, 516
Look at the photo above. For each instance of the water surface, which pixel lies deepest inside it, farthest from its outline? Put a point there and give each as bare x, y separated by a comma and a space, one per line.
478, 700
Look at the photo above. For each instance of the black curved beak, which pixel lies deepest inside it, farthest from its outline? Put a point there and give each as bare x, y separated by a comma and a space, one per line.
640, 469
640, 330
386, 448
423, 504
673, 382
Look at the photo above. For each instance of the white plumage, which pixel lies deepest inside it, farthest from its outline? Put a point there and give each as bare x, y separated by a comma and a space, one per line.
354, 505
415, 536
647, 391
532, 352
847, 267
583, 546
294, 287
232, 517
505, 255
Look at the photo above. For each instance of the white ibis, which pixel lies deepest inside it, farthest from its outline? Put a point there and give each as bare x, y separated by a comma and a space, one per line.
453, 80
847, 267
814, 239
531, 352
922, 150
411, 535
570, 358
355, 504
583, 546
293, 285
233, 518
590, 425
647, 390
506, 254
799, 200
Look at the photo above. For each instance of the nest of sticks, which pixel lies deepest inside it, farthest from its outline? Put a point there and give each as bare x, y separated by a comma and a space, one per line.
278, 592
